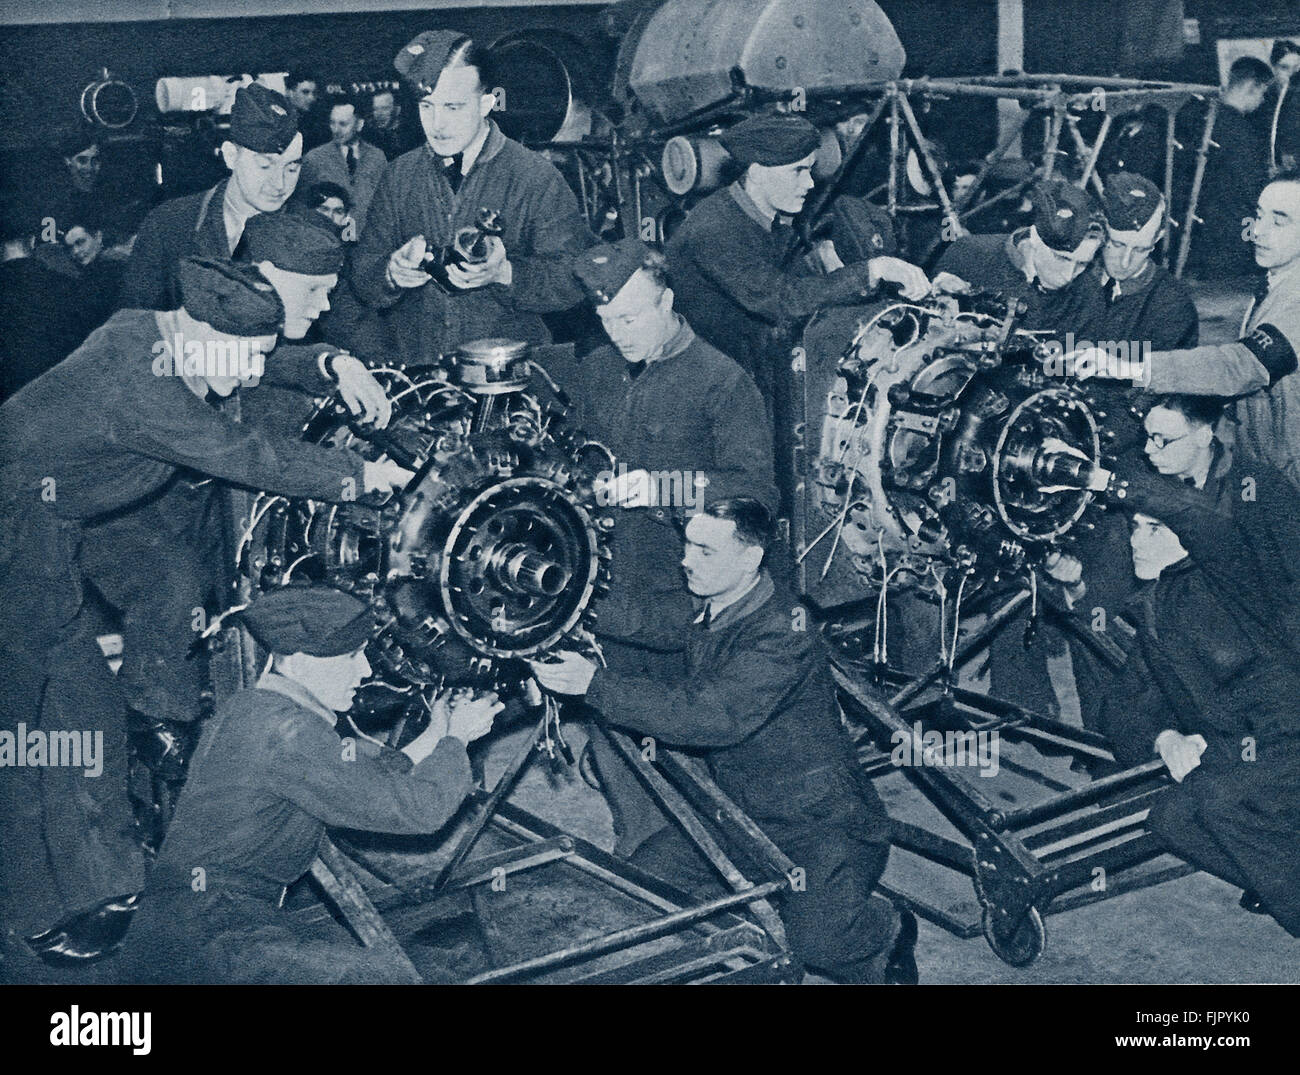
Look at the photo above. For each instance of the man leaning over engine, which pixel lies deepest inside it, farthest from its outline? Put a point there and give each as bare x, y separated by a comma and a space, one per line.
183, 531
104, 432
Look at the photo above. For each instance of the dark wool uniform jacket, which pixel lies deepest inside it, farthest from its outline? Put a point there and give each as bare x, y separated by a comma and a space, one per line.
1201, 666
1156, 309
1152, 313
1242, 528
693, 413
1216, 649
101, 432
758, 703
270, 774
729, 283
997, 263
191, 226
543, 230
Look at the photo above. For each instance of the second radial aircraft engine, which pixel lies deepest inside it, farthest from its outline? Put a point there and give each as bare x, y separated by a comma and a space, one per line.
938, 444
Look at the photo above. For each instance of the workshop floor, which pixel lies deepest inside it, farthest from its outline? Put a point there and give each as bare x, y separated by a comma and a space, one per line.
1189, 930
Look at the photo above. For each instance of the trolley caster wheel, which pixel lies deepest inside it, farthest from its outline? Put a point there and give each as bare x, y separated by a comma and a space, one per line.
1017, 943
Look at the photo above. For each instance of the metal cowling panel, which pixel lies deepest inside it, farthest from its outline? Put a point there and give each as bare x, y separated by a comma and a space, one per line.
684, 56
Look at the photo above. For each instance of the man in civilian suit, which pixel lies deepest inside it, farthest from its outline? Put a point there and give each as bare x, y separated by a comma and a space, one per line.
347, 160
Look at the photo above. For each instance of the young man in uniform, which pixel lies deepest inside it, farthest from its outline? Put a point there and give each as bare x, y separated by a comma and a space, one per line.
427, 195
264, 154
271, 773
758, 704
687, 426
105, 433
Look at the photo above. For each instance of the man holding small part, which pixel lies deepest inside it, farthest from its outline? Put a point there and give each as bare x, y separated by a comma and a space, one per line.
429, 194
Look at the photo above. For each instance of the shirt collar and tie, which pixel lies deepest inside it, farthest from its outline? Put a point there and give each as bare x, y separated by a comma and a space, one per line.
1116, 289
234, 219
757, 592
456, 168
452, 170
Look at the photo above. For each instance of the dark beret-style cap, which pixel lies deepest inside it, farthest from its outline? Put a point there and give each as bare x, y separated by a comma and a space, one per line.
604, 269
317, 620
772, 139
1131, 201
861, 231
262, 120
421, 62
1064, 215
303, 242
232, 298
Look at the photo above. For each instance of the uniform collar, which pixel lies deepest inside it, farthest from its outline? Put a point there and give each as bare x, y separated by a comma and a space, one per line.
1133, 286
475, 149
234, 220
1018, 255
751, 600
678, 341
485, 148
1220, 463
749, 207
296, 692
677, 344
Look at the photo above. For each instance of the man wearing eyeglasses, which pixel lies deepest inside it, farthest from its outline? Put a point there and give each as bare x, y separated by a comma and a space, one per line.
1203, 486
1259, 369
1213, 654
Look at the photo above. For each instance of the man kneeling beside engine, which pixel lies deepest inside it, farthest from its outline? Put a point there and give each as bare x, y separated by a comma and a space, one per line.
1212, 686
758, 705
269, 775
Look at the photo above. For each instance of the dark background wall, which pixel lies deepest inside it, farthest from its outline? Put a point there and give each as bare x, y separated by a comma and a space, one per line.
44, 67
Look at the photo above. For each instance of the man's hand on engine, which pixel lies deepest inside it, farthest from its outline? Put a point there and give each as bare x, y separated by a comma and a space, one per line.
1063, 568
630, 489
383, 476
1180, 753
460, 715
406, 264
912, 281
947, 283
470, 717
495, 270
1089, 362
564, 673
363, 394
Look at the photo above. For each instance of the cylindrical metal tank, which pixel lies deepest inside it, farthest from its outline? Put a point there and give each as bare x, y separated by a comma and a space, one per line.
679, 60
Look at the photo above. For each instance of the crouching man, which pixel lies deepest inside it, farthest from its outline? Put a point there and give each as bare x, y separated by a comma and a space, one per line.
758, 705
1212, 687
270, 774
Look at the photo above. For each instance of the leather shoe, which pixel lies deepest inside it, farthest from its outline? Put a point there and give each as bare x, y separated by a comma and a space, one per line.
87, 936
901, 967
